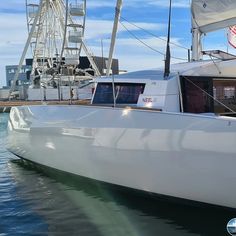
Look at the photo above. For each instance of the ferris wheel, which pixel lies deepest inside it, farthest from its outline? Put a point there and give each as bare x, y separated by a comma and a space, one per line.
56, 37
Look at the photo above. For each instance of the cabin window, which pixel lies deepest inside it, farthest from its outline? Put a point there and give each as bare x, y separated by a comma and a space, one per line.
125, 93
225, 92
198, 92
195, 94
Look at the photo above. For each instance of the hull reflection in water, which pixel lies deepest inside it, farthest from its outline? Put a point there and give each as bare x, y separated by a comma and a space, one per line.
78, 206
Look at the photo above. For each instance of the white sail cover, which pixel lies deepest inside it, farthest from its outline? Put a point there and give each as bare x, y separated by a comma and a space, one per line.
211, 15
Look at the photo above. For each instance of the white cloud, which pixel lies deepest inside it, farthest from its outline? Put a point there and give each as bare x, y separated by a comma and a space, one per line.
12, 40
19, 4
104, 28
101, 3
13, 4
14, 27
138, 3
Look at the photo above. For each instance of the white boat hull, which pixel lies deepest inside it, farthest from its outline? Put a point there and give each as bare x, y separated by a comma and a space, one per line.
181, 155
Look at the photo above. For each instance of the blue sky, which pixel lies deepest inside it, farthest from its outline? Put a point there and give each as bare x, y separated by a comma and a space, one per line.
149, 14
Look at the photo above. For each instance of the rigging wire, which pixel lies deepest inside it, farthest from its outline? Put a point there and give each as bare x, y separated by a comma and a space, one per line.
218, 69
154, 35
145, 44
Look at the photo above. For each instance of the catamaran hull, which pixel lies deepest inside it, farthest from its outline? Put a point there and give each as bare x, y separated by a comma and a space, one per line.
181, 155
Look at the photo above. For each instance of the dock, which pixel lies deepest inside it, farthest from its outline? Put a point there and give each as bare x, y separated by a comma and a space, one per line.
5, 106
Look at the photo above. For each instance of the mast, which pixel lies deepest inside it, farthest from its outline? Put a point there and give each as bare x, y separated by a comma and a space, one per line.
167, 59
196, 42
114, 32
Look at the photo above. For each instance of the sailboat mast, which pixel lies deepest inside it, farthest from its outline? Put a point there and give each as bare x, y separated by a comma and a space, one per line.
113, 38
167, 59
196, 42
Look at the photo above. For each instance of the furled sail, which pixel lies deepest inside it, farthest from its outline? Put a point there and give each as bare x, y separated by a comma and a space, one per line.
211, 15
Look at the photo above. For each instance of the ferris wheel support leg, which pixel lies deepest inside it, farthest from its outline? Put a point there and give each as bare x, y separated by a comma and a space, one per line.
92, 62
25, 50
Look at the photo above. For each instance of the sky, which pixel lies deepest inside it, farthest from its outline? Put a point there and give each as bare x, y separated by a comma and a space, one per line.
150, 15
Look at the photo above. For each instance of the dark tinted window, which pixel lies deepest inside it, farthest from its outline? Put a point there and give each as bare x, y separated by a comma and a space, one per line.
195, 98
126, 93
224, 91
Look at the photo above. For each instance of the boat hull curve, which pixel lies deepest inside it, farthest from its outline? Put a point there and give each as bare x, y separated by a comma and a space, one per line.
180, 155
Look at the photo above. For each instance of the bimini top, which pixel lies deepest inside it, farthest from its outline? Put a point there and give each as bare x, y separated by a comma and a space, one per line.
204, 68
211, 68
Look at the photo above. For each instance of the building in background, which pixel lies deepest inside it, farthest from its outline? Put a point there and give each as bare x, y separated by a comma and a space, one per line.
24, 76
